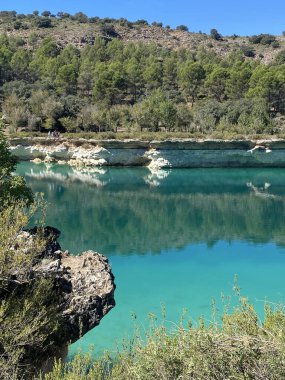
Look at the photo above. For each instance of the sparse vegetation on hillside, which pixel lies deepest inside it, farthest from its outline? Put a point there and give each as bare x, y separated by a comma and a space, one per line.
79, 30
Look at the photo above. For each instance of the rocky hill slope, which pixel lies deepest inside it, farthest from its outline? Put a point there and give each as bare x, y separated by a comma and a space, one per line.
80, 31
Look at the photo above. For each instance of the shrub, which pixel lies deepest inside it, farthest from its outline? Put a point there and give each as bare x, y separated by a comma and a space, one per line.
17, 25
93, 20
8, 14
69, 124
184, 28
141, 22
63, 15
80, 17
108, 20
21, 16
215, 35
268, 39
125, 22
263, 39
280, 58
109, 31
248, 51
239, 348
256, 39
46, 13
44, 23
275, 44
158, 24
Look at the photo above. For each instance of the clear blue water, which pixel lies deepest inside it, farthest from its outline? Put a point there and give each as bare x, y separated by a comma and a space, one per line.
175, 237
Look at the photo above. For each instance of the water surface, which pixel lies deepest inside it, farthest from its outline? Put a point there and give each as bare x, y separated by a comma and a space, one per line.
174, 237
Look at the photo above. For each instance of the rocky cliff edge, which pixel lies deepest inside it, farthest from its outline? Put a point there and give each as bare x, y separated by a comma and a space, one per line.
174, 153
85, 284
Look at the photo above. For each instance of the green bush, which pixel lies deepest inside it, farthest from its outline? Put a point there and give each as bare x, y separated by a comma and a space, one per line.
248, 51
17, 25
44, 22
239, 348
263, 39
184, 28
141, 22
275, 44
280, 58
80, 17
215, 35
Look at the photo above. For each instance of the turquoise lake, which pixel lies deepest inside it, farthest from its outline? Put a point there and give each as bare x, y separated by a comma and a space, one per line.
176, 237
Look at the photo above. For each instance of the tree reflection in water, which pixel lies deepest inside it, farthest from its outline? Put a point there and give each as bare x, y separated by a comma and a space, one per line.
132, 210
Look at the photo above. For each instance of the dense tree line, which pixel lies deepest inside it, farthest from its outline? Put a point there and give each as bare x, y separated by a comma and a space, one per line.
113, 85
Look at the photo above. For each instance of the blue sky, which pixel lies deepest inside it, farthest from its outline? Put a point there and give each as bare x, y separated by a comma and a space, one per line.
242, 17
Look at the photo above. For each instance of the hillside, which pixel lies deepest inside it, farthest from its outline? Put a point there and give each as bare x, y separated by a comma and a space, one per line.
80, 31
71, 73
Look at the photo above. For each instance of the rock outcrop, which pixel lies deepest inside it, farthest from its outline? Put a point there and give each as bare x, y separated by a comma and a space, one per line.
175, 153
84, 283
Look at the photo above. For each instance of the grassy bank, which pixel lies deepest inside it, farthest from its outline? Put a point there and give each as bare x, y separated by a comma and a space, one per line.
240, 347
149, 136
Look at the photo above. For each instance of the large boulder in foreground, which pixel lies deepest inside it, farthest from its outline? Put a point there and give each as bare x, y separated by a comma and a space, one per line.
85, 284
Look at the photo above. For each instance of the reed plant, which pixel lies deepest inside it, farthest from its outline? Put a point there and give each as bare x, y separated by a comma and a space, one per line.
238, 346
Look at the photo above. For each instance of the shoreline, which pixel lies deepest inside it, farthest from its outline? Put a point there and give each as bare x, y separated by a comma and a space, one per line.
172, 153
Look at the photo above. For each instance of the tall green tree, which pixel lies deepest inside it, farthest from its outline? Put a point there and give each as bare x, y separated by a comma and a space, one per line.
191, 77
109, 83
134, 78
20, 64
238, 81
66, 79
216, 83
152, 73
